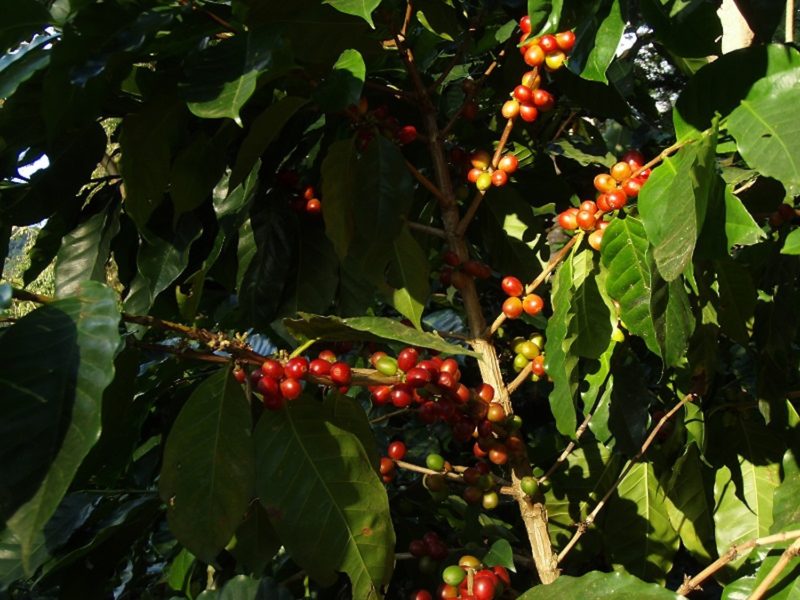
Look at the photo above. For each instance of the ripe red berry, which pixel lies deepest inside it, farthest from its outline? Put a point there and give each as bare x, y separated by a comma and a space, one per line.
268, 386
621, 171
586, 220
483, 588
313, 207
396, 450
291, 388
543, 100
525, 24
496, 414
532, 304
272, 368
239, 374
319, 367
512, 286
401, 398
568, 219
449, 258
477, 269
534, 55
309, 193
421, 595
602, 203
418, 548
548, 43
616, 199
523, 93
632, 187
508, 163
512, 307
408, 357
565, 40
328, 356
528, 112
340, 373
588, 205
296, 368
407, 134
486, 392
537, 365
499, 178
473, 174
604, 183
381, 394
418, 378
634, 158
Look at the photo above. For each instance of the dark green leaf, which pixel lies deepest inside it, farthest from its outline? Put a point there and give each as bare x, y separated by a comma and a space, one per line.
384, 192
314, 278
48, 241
561, 362
21, 19
84, 328
785, 508
439, 17
358, 8
639, 535
85, 251
348, 414
606, 40
207, 476
792, 243
339, 190
408, 277
689, 29
591, 316
673, 204
599, 383
690, 505
500, 554
195, 172
147, 142
179, 571
767, 128
350, 528
672, 318
256, 540
342, 88
264, 130
600, 586
544, 15
375, 329
17, 67
221, 78
721, 85
737, 299
740, 227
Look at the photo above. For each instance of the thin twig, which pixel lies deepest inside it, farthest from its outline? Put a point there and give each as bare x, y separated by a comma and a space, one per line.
505, 487
521, 377
407, 18
426, 183
789, 33
388, 416
790, 553
548, 268
584, 525
429, 229
693, 583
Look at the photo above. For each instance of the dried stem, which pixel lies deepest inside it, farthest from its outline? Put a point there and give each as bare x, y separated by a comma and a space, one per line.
506, 489
693, 583
388, 416
788, 555
789, 29
426, 183
584, 526
520, 378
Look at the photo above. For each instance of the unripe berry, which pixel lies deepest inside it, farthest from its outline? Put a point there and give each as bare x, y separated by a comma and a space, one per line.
484, 181
510, 109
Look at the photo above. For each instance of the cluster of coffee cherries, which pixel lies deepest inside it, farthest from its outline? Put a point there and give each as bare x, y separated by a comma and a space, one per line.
379, 120
456, 273
519, 302
528, 99
303, 199
785, 213
548, 50
484, 176
614, 189
469, 580
479, 485
278, 381
529, 351
395, 451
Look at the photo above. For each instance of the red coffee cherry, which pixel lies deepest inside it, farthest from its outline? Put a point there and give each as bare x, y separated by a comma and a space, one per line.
568, 219
565, 40
532, 304
512, 307
396, 450
508, 163
499, 178
512, 286
341, 374
291, 388
528, 112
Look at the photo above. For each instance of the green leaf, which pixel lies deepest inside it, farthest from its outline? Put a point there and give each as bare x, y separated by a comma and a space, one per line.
792, 243
179, 571
606, 40
766, 126
313, 281
500, 554
737, 299
83, 331
600, 383
349, 528
544, 15
264, 130
195, 172
221, 78
339, 190
208, 471
357, 8
673, 204
17, 67
689, 29
11, 568
600, 586
785, 508
348, 414
740, 227
384, 192
408, 277
743, 503
159, 262
256, 540
718, 87
639, 536
561, 363
672, 318
439, 17
147, 141
21, 19
85, 251
342, 88
757, 567
690, 505
592, 322
369, 329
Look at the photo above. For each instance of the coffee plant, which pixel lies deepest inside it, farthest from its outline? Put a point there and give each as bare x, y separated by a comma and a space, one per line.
477, 299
